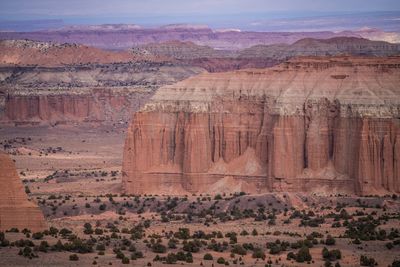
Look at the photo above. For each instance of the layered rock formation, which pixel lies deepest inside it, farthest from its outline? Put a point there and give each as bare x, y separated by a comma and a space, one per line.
323, 47
57, 83
262, 56
124, 38
15, 209
312, 124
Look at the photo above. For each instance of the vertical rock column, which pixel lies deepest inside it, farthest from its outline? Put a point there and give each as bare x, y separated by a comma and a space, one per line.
15, 209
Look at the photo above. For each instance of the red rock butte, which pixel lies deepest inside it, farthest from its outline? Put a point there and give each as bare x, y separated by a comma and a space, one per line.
15, 209
328, 125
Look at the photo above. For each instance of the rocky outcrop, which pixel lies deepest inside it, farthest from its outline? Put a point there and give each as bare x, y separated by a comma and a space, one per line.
15, 209
312, 124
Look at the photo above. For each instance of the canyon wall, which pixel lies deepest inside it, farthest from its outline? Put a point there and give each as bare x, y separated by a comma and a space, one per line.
93, 105
15, 209
312, 124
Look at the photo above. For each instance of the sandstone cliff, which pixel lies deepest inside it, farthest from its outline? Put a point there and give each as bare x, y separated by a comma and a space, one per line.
97, 105
15, 209
312, 124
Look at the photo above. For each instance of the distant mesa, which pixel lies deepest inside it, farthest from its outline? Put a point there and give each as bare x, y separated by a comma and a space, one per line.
15, 209
101, 27
125, 36
185, 26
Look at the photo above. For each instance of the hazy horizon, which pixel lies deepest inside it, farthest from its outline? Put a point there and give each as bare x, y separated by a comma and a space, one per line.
254, 15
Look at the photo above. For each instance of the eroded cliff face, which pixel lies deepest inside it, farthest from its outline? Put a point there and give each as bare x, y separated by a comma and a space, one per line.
93, 105
313, 124
15, 209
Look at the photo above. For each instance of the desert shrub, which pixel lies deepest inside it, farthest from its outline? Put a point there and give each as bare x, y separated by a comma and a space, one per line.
192, 246
38, 235
65, 232
330, 241
331, 255
363, 229
43, 246
208, 257
172, 243
79, 246
158, 248
183, 233
73, 257
239, 249
258, 253
136, 255
88, 229
221, 260
244, 233
275, 249
125, 260
100, 247
3, 241
98, 231
365, 261
27, 252
303, 255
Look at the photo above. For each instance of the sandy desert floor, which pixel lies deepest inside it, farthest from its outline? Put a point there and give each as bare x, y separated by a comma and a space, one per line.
75, 177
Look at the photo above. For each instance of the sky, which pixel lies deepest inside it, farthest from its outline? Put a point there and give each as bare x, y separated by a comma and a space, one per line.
218, 13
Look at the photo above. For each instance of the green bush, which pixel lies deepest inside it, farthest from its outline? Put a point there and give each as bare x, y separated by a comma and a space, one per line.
365, 261
258, 253
158, 248
332, 255
303, 254
221, 260
208, 257
238, 249
38, 235
330, 241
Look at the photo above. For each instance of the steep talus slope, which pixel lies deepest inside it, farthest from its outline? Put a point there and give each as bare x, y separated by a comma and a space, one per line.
312, 124
15, 209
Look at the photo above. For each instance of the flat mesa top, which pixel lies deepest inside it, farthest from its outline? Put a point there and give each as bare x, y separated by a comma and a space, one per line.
370, 85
